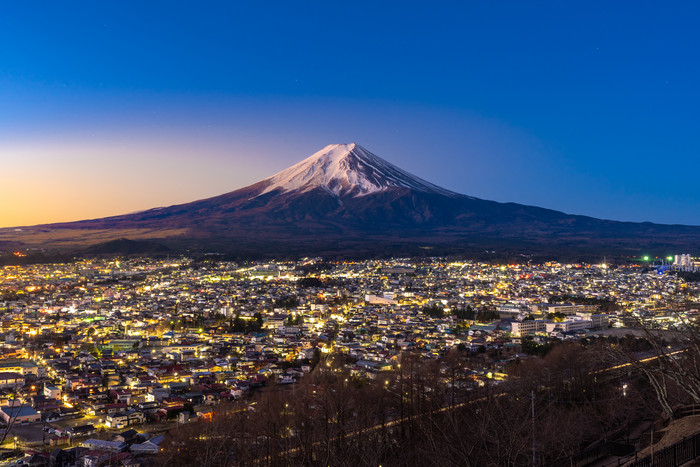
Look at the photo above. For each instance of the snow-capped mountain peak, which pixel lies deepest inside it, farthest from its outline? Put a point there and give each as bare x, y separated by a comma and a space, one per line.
346, 169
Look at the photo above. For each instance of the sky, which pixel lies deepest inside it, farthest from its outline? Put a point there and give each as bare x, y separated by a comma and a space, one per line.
113, 107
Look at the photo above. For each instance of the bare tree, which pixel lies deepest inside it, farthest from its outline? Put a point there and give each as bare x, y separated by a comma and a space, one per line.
672, 365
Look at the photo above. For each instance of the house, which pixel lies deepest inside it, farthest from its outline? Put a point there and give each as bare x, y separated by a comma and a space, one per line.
52, 417
101, 445
286, 379
56, 440
149, 406
94, 458
11, 380
123, 419
68, 413
127, 436
44, 405
114, 408
171, 402
195, 397
37, 459
122, 396
157, 394
149, 447
296, 372
60, 457
19, 414
133, 462
23, 367
81, 430
211, 399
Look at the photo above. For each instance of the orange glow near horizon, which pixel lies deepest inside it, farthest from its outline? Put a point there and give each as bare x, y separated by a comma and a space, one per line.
55, 182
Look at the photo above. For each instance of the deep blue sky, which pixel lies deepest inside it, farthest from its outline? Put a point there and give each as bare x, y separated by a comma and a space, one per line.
111, 107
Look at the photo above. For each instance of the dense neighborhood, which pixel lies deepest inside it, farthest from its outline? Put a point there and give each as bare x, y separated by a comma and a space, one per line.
100, 358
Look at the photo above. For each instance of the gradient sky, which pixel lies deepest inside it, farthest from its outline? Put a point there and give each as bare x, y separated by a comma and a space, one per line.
113, 107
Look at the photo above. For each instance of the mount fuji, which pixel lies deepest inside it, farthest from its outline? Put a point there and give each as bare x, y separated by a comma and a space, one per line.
344, 200
347, 170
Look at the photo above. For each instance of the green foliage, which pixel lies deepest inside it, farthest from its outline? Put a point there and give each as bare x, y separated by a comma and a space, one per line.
295, 320
306, 282
318, 283
239, 324
434, 310
465, 312
316, 358
287, 303
220, 318
486, 315
530, 347
689, 276
89, 348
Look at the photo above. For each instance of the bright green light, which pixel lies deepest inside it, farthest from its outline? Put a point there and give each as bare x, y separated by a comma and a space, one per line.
646, 258
670, 258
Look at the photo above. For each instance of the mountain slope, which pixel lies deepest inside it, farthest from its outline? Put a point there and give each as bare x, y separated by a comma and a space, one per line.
346, 169
346, 198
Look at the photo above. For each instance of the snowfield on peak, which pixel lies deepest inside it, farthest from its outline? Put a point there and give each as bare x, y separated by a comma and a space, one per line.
347, 170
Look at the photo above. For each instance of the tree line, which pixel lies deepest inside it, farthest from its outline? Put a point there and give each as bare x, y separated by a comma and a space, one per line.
423, 412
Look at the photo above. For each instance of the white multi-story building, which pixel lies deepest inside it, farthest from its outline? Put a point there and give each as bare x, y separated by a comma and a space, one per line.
598, 320
527, 327
568, 325
684, 262
52, 392
563, 308
11, 380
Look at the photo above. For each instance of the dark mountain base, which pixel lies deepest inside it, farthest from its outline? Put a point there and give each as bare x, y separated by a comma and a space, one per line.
353, 204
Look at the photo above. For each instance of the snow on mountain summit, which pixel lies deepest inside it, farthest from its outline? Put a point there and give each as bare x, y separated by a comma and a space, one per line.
346, 169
